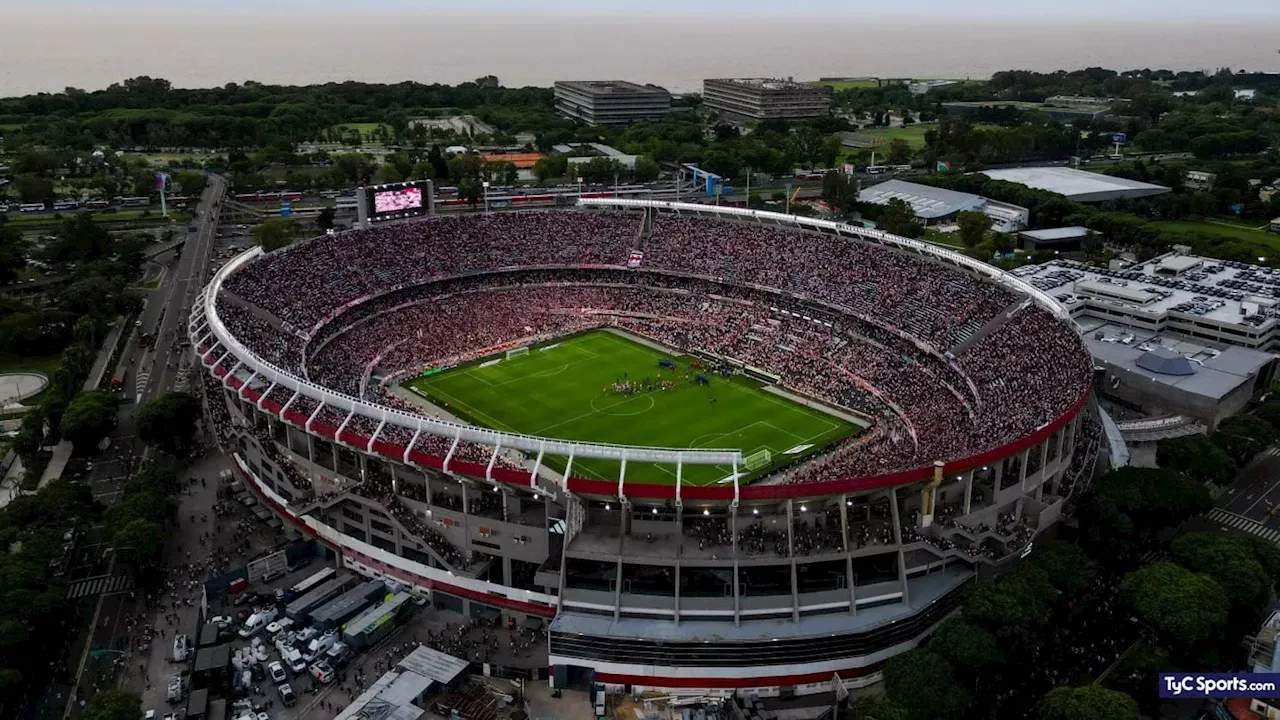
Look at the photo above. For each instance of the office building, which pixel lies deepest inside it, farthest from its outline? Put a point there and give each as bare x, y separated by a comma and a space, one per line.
610, 102
756, 99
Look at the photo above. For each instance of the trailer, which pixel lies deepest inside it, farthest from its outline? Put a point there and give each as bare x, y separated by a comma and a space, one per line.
298, 609
377, 622
347, 605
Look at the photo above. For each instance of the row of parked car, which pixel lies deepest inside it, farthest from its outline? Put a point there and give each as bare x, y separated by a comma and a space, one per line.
302, 651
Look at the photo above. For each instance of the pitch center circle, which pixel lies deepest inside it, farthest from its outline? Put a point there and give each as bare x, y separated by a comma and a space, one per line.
617, 409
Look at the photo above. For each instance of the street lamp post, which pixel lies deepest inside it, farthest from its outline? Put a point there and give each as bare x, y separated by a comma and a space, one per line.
486, 195
579, 188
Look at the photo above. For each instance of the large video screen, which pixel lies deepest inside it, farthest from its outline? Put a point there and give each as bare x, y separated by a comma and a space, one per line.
398, 200
394, 201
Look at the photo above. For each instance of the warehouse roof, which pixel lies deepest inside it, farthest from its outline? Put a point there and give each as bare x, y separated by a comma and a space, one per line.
926, 201
1051, 234
1077, 185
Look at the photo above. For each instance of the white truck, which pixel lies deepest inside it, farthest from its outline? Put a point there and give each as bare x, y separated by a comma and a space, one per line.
294, 660
257, 621
320, 646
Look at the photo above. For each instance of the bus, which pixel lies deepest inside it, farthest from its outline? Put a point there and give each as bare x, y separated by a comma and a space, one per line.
314, 581
66, 205
31, 207
876, 169
135, 202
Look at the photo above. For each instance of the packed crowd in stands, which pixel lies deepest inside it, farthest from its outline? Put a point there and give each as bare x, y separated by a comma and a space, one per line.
870, 335
380, 490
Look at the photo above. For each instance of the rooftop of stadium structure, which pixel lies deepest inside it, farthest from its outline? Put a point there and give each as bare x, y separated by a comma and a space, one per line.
1077, 185
1192, 367
926, 201
1228, 292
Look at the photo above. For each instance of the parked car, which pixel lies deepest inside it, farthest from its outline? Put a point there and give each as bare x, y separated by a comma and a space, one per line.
287, 698
177, 689
181, 647
277, 672
322, 672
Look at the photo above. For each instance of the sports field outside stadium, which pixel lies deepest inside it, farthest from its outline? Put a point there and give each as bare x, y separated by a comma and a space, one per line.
566, 390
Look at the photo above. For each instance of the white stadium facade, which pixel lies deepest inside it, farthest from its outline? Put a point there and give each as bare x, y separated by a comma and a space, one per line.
977, 384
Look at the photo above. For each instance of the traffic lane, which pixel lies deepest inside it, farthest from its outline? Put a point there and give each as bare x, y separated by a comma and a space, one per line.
180, 294
1256, 490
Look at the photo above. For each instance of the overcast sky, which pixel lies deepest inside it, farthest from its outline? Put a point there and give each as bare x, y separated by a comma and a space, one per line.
1151, 9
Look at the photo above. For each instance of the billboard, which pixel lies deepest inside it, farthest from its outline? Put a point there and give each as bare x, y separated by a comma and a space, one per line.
398, 200
1119, 138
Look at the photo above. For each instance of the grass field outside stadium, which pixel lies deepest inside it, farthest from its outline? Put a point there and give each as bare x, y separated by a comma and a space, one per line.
569, 389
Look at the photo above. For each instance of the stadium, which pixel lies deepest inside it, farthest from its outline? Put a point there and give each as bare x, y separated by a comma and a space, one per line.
713, 449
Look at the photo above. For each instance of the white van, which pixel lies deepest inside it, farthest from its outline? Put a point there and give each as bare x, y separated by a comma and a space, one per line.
320, 646
294, 660
256, 622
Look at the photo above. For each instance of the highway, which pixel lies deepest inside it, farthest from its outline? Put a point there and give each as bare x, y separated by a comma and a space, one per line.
167, 308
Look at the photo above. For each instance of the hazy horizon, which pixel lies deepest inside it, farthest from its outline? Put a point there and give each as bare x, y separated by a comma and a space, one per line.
49, 48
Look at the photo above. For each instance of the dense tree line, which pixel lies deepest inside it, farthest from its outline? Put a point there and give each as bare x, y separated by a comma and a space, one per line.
1219, 455
150, 112
36, 619
98, 268
1191, 606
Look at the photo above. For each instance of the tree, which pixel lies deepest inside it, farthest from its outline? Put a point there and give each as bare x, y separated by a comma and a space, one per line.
1090, 702
190, 182
1125, 510
646, 170
113, 705
1197, 457
1003, 243
1186, 608
324, 219
142, 537
169, 422
89, 418
898, 218
966, 646
973, 227
899, 152
1069, 569
920, 682
1231, 563
275, 233
13, 253
1243, 436
33, 188
1014, 607
424, 170
876, 707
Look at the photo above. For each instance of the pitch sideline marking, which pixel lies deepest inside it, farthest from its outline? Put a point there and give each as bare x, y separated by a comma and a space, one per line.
472, 410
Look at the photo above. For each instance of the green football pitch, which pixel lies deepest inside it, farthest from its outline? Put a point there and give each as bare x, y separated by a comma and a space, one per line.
565, 390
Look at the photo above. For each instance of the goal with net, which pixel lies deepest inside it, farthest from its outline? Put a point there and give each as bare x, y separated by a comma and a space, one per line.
517, 352
758, 459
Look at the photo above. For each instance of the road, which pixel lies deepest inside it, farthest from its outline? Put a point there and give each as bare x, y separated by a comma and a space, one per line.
167, 318
116, 615
1247, 506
